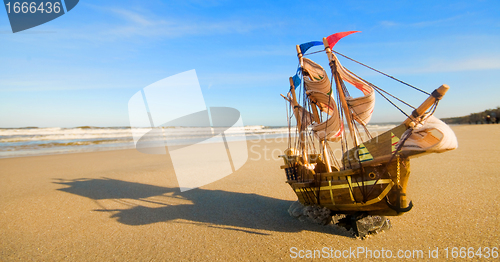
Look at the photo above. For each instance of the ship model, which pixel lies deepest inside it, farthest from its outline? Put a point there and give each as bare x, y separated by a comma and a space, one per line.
366, 175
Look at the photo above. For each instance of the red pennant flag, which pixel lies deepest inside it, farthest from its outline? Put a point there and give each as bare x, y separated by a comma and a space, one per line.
333, 39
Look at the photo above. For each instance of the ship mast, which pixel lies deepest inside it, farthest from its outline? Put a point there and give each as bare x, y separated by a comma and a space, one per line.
299, 122
340, 91
316, 118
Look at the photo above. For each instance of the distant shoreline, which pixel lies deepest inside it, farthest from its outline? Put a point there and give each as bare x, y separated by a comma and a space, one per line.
19, 142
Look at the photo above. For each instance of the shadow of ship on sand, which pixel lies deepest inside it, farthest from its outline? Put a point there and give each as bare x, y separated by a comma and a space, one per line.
213, 208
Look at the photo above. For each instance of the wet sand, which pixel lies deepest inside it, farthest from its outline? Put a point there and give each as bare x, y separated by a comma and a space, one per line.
124, 205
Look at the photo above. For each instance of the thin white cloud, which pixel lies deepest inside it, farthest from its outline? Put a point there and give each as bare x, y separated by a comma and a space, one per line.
133, 17
448, 66
236, 80
93, 80
142, 24
429, 23
436, 22
262, 51
471, 64
14, 85
388, 23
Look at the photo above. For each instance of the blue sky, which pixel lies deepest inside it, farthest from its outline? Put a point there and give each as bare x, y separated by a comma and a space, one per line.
82, 68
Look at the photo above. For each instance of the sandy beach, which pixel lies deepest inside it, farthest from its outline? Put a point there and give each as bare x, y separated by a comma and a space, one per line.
124, 205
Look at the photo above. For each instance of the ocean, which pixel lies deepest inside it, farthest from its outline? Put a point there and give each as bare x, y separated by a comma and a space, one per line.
31, 141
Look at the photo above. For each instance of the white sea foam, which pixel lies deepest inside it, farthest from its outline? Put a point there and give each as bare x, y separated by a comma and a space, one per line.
16, 142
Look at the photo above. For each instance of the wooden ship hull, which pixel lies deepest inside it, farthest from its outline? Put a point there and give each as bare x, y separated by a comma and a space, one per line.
376, 187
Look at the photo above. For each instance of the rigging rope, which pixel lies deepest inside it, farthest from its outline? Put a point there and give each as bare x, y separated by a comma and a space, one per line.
288, 119
313, 52
416, 88
374, 86
392, 103
378, 89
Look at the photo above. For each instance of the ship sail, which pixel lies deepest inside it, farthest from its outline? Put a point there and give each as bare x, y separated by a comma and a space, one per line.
361, 107
434, 136
315, 77
332, 128
305, 116
320, 92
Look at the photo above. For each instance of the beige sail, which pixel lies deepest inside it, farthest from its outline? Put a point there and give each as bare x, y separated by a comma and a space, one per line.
305, 116
434, 136
332, 128
325, 102
361, 107
315, 77
319, 91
